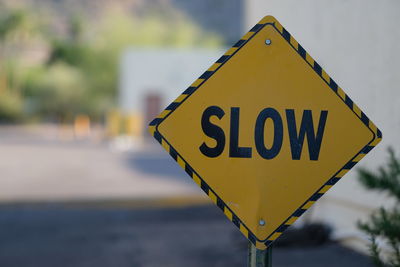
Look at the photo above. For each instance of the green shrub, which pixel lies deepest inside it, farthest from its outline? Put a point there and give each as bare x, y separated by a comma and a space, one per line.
384, 224
11, 107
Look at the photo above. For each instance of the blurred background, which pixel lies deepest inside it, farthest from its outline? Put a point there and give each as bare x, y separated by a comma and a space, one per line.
83, 184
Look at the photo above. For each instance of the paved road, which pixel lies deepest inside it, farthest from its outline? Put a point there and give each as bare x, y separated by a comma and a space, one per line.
38, 165
114, 216
66, 236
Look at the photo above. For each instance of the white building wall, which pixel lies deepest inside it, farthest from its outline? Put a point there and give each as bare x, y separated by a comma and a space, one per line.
167, 71
357, 43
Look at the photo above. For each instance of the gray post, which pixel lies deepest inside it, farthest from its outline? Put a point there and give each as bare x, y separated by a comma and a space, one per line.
259, 258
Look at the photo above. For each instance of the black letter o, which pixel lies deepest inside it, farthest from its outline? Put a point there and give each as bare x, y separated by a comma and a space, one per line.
259, 133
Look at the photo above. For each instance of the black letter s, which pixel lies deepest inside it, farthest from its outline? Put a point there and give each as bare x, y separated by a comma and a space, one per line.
213, 131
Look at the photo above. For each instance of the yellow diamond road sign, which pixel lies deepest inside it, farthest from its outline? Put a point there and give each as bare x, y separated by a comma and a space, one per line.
265, 132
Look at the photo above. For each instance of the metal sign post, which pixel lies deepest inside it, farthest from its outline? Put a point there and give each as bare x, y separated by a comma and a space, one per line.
258, 257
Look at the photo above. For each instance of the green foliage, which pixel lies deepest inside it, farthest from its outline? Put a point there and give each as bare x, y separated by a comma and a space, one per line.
69, 52
80, 74
57, 95
11, 107
11, 22
156, 29
384, 224
387, 179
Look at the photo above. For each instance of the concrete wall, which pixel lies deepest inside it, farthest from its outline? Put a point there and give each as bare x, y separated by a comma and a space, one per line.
356, 42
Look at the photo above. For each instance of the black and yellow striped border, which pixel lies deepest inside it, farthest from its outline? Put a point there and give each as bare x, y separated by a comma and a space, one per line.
268, 20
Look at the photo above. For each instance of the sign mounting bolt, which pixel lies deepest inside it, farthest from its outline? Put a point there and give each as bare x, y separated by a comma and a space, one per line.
268, 42
261, 222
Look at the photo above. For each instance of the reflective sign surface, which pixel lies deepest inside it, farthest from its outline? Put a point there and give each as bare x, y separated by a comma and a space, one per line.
265, 132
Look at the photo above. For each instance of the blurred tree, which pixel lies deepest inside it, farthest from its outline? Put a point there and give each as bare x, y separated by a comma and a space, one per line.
56, 93
80, 74
10, 107
94, 49
384, 225
11, 23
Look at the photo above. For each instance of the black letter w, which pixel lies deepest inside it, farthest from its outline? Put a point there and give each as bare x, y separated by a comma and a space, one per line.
306, 128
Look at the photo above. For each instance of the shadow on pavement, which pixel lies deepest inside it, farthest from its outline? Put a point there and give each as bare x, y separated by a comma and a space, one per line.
57, 235
157, 163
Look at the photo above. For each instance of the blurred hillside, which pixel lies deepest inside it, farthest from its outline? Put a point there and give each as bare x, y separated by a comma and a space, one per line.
222, 17
60, 59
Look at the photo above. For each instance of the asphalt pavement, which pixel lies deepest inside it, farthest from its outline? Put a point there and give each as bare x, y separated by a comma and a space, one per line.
80, 203
85, 236
42, 164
